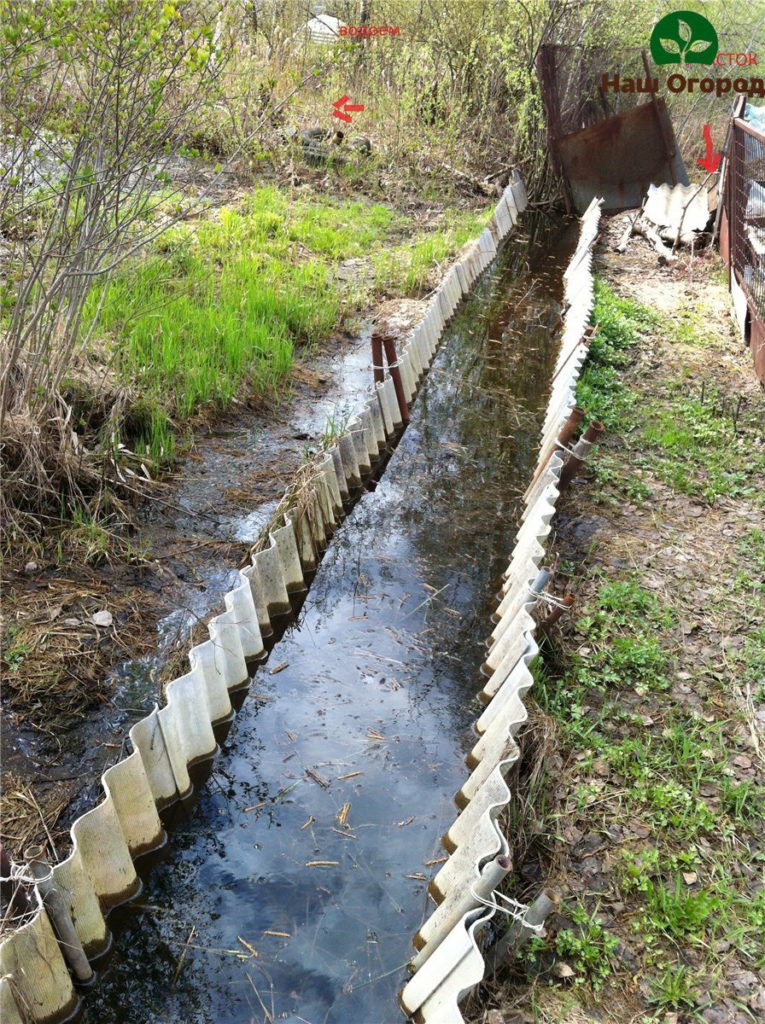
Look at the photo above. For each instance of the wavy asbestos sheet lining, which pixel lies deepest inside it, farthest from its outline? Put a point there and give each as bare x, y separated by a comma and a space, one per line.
35, 985
449, 962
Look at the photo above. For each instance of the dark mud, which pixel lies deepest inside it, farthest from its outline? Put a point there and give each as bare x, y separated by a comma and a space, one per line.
293, 884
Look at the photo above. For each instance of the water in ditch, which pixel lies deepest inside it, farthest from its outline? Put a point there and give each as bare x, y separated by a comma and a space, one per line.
292, 886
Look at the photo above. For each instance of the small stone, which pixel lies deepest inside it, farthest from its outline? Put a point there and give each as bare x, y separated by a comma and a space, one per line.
102, 618
742, 761
743, 983
639, 829
562, 970
690, 877
31, 567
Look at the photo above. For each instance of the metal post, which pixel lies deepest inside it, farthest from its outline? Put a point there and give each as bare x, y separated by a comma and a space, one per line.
58, 912
395, 372
377, 358
520, 931
580, 453
556, 612
562, 441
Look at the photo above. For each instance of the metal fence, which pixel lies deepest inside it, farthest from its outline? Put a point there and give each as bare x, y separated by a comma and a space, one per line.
742, 239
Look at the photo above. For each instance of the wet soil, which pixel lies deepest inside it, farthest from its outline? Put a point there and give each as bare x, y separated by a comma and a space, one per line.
292, 885
81, 684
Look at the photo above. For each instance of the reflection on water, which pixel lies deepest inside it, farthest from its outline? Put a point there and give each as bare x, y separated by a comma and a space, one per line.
292, 888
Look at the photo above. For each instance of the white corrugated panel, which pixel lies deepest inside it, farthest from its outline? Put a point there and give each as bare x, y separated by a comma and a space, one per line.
34, 981
449, 962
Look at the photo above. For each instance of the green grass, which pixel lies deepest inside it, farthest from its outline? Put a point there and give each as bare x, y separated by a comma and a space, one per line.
689, 434
406, 268
587, 948
659, 762
219, 308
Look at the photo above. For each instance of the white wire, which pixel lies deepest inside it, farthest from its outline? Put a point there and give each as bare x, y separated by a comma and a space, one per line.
548, 599
20, 873
515, 910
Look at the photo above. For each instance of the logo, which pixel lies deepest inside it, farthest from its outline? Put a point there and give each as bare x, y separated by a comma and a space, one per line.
684, 37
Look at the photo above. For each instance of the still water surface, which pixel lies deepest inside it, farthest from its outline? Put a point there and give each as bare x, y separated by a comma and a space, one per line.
312, 840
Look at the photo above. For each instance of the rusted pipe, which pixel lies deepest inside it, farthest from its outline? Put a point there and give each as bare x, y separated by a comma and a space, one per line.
390, 354
563, 440
58, 912
520, 931
556, 611
579, 455
15, 896
377, 358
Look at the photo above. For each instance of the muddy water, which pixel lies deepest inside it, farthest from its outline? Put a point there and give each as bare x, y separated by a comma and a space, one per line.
313, 839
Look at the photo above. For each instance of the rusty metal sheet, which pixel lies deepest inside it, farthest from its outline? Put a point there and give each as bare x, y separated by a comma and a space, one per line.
618, 158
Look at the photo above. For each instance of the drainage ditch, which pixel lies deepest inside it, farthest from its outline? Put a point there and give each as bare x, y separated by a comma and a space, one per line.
295, 879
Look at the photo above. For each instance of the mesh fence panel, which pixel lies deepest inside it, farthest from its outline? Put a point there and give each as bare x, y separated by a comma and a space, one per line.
747, 213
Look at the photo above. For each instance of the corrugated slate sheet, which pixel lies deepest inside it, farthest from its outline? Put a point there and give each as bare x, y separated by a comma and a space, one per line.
449, 962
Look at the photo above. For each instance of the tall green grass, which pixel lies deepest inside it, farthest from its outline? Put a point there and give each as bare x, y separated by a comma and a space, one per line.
406, 268
219, 306
222, 304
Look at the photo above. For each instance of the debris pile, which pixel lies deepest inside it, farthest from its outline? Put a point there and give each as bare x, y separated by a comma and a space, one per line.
678, 215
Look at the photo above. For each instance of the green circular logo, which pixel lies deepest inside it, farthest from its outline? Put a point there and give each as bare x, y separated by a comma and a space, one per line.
684, 37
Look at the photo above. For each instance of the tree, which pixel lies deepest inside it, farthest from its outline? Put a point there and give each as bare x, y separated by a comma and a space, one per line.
97, 100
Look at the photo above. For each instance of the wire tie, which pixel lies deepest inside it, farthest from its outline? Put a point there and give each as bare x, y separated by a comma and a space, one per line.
513, 909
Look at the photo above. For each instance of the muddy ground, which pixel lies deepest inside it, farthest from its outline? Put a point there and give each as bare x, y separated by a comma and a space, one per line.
97, 621
641, 800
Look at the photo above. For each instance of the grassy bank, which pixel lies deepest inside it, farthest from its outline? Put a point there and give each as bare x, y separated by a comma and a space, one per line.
216, 310
642, 796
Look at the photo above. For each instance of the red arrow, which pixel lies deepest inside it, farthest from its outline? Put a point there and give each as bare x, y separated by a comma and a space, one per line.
343, 114
709, 163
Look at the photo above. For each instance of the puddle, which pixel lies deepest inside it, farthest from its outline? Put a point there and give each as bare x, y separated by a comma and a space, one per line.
313, 839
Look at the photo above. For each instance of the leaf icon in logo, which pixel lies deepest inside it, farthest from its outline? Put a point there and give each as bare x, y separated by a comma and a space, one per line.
670, 45
699, 45
684, 30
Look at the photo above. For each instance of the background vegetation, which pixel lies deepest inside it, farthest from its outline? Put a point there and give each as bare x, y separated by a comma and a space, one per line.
131, 302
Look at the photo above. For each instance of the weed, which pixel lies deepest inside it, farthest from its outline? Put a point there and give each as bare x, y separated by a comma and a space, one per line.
13, 653
334, 428
681, 914
588, 948
743, 802
672, 990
